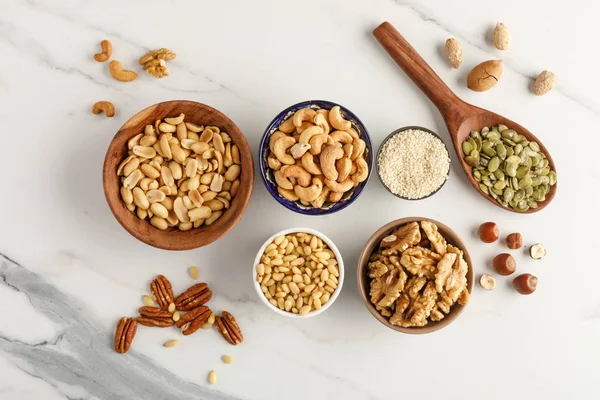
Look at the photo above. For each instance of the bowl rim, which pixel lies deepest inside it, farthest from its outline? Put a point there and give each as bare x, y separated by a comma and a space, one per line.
263, 143
333, 248
405, 128
113, 199
361, 277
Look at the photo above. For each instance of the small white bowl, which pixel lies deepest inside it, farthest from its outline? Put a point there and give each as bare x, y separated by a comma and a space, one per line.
334, 295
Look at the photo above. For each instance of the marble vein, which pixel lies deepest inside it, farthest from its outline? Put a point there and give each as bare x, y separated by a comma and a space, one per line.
83, 347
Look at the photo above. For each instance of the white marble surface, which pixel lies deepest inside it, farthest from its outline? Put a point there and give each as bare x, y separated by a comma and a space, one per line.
68, 271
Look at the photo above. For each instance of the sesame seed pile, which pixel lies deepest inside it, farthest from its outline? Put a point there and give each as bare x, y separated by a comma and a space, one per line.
413, 164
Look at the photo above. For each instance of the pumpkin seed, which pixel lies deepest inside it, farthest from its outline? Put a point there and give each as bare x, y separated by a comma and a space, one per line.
467, 147
494, 164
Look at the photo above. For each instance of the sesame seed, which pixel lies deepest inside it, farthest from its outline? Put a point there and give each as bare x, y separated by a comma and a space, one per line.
413, 164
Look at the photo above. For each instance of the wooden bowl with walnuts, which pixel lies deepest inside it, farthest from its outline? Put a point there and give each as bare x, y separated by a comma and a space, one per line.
415, 275
178, 175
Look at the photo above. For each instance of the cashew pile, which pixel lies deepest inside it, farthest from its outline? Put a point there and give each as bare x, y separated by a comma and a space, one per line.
316, 156
179, 174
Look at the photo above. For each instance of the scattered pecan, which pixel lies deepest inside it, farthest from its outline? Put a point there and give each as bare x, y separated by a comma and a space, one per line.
193, 297
229, 328
154, 316
161, 289
126, 328
192, 321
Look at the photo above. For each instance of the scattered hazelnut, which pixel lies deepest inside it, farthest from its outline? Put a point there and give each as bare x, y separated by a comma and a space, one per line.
504, 264
488, 232
525, 283
514, 241
537, 251
487, 282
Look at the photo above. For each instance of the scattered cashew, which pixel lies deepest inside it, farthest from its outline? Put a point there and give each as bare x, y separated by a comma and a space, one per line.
310, 193
320, 200
104, 106
358, 150
308, 162
274, 137
343, 167
317, 142
309, 133
106, 51
342, 137
116, 71
273, 162
329, 155
362, 171
321, 120
287, 126
302, 176
341, 187
280, 147
282, 181
298, 150
287, 194
336, 119
305, 114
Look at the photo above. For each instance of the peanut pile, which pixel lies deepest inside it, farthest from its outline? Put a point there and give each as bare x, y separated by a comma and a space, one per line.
179, 174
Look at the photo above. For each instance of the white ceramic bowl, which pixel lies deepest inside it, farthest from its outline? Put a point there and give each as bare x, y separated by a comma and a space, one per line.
334, 295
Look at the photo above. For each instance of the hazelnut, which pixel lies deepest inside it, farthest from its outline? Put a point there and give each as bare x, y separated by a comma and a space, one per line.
487, 282
488, 232
537, 251
525, 283
514, 241
504, 264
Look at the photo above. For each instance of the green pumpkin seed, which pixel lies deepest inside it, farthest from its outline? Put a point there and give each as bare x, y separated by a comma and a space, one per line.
519, 195
509, 142
552, 177
535, 161
500, 185
525, 182
502, 128
511, 170
488, 183
497, 191
501, 151
509, 151
515, 182
518, 149
532, 204
499, 174
534, 146
545, 171
467, 148
509, 134
522, 172
493, 135
484, 188
544, 180
485, 129
489, 151
520, 139
475, 134
513, 159
494, 164
528, 191
536, 181
508, 194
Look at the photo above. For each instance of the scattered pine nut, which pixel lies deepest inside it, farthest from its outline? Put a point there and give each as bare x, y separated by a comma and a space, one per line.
176, 316
148, 300
171, 343
172, 308
227, 359
212, 377
193, 272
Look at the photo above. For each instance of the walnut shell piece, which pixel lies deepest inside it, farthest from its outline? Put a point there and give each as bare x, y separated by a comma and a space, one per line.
229, 328
126, 329
193, 297
162, 291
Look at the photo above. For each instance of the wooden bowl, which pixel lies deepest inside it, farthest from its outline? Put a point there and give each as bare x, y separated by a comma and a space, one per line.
364, 281
172, 238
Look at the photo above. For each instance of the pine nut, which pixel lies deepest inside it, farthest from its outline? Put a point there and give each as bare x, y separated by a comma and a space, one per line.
171, 308
171, 343
307, 250
212, 377
273, 302
176, 316
193, 272
304, 310
227, 359
317, 304
148, 300
294, 288
260, 269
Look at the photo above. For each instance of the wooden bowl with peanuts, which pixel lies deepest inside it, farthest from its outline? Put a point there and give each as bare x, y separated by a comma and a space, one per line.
178, 175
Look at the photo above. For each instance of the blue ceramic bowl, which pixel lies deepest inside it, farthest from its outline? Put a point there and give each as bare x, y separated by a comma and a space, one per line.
267, 174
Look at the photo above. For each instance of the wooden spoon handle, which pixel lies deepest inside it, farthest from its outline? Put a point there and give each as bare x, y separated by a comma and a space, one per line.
417, 69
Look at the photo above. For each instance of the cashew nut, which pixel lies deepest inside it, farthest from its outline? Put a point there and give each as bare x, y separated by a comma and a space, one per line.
106, 51
348, 148
298, 150
363, 171
353, 133
305, 125
317, 141
353, 169
280, 147
336, 119
302, 176
343, 167
319, 201
310, 193
282, 181
321, 120
116, 71
334, 197
325, 113
329, 156
274, 137
304, 114
342, 187
309, 133
104, 106
309, 165
287, 194
273, 162
342, 137
287, 126
358, 150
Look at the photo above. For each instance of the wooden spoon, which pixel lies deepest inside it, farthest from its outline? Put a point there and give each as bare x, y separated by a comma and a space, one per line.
461, 118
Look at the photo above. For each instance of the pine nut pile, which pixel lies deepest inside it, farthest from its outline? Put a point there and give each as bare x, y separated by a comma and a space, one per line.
413, 164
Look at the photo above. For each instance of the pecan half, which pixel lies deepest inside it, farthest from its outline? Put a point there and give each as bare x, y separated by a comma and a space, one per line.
229, 328
193, 297
126, 328
192, 321
161, 289
154, 316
